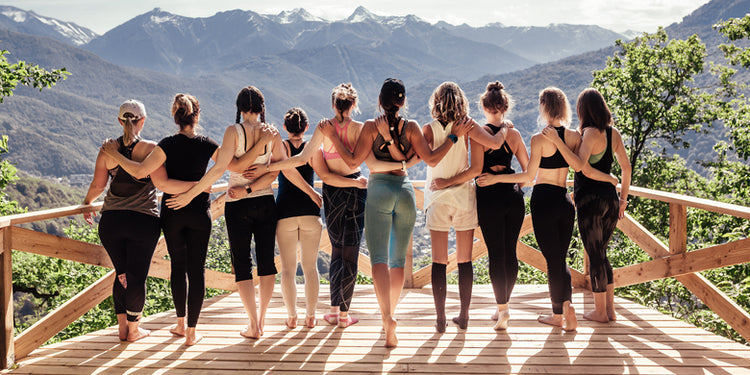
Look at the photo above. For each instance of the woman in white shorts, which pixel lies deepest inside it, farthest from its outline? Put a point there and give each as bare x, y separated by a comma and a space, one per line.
450, 199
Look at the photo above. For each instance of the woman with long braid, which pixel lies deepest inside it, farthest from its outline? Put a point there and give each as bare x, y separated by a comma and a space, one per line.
500, 206
390, 211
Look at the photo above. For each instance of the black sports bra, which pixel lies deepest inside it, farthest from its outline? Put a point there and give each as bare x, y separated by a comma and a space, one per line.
556, 160
501, 156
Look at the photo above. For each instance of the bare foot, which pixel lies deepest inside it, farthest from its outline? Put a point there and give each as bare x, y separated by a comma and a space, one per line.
571, 323
291, 322
390, 333
553, 320
461, 321
331, 318
611, 314
139, 334
502, 320
440, 325
495, 315
346, 321
122, 327
192, 337
178, 330
251, 331
596, 316
310, 321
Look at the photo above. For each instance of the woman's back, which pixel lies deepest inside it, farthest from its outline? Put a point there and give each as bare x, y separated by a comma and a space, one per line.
351, 129
559, 175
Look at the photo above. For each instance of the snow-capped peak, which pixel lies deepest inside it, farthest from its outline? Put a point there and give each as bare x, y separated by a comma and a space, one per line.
361, 14
297, 15
41, 25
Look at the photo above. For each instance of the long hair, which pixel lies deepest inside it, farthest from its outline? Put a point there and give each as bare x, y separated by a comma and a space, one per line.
496, 99
392, 97
592, 110
554, 105
250, 99
185, 110
448, 103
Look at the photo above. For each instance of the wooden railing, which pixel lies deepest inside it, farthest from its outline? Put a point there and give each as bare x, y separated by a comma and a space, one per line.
668, 260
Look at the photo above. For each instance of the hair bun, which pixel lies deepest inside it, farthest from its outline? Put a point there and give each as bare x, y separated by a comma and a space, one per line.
495, 86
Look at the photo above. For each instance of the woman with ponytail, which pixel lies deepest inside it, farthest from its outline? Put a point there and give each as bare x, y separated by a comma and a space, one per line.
129, 225
500, 206
185, 156
390, 211
298, 224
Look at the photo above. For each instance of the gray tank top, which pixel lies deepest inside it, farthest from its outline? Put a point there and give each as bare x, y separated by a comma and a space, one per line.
131, 194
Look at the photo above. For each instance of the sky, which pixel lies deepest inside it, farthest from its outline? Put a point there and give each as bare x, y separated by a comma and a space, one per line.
618, 15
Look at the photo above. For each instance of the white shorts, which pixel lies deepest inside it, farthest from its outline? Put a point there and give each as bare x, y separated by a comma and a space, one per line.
441, 217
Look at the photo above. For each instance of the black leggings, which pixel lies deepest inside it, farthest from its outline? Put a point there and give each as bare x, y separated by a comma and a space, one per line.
500, 210
187, 232
247, 218
345, 221
552, 215
129, 238
597, 219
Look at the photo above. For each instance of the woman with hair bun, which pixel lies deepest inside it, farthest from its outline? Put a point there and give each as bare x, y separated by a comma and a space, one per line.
500, 206
449, 199
390, 211
298, 224
552, 211
597, 204
129, 225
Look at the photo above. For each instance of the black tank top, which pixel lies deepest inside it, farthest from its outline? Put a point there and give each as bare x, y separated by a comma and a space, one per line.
556, 160
291, 201
501, 156
585, 185
123, 184
380, 149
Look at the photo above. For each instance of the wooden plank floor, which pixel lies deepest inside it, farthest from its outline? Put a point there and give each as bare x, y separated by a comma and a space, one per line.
642, 341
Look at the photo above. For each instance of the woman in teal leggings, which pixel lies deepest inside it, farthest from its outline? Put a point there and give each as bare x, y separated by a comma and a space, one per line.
391, 209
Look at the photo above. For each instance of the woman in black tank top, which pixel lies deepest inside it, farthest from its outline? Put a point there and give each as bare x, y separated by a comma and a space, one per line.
500, 206
129, 224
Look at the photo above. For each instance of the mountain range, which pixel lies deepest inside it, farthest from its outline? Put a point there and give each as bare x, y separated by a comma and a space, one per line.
294, 57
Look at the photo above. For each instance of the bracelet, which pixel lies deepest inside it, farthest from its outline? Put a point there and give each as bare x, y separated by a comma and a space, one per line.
268, 167
453, 138
403, 165
388, 142
623, 200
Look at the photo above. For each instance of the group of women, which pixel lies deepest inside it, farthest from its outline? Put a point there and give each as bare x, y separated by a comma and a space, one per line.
470, 183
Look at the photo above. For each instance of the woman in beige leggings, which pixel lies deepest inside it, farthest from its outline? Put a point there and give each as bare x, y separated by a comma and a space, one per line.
299, 225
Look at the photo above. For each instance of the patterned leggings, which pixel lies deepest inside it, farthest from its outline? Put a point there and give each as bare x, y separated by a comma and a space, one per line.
597, 219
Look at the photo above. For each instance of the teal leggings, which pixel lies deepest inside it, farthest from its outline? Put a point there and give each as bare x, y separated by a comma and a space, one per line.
390, 213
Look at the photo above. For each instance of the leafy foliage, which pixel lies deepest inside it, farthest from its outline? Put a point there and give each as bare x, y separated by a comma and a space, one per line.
23, 73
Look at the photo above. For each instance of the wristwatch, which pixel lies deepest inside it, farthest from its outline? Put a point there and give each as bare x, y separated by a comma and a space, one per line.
453, 138
403, 165
249, 189
388, 142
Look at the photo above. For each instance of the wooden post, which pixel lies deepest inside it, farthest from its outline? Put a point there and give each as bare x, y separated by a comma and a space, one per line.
7, 350
677, 228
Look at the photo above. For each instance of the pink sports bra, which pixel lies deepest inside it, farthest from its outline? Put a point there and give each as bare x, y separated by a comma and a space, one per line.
343, 133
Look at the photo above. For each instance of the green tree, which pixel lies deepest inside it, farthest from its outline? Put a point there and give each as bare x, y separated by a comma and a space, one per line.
648, 84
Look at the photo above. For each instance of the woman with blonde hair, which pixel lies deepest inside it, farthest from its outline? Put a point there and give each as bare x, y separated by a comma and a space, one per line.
450, 200
129, 225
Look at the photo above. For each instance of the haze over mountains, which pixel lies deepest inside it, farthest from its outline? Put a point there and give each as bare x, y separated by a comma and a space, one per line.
294, 57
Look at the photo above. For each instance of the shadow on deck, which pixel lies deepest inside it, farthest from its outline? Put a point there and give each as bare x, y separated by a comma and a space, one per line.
642, 341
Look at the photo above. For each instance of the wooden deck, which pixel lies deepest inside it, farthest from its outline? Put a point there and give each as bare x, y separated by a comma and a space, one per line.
642, 341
